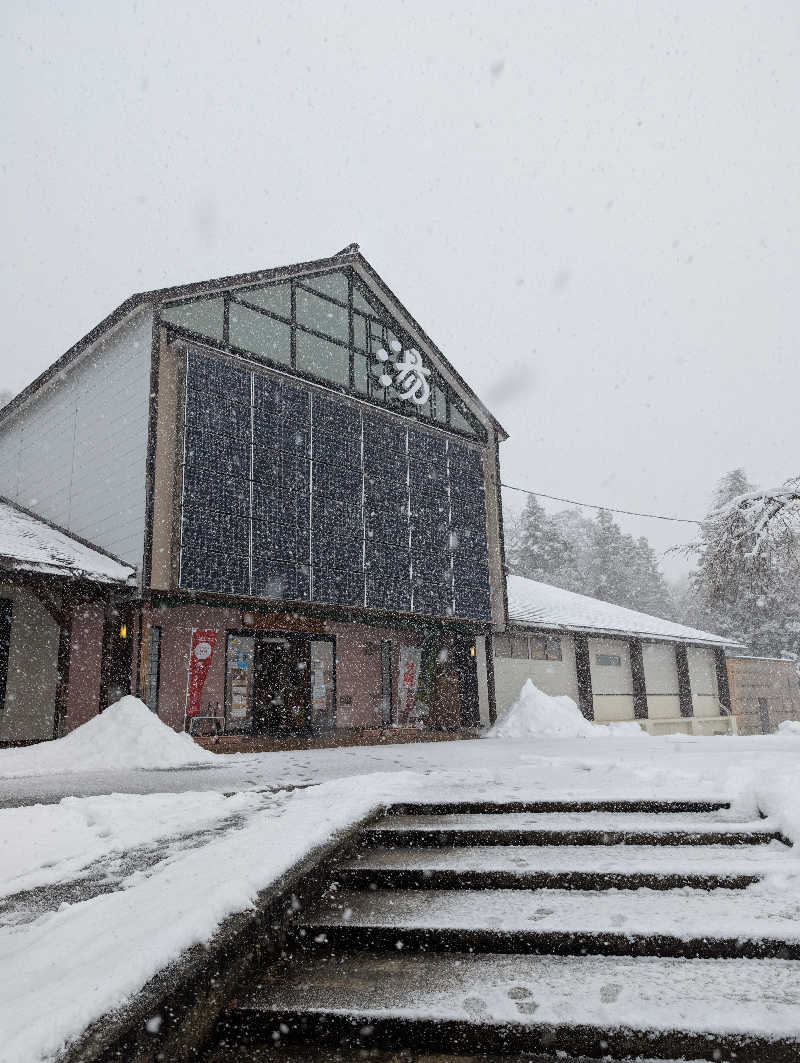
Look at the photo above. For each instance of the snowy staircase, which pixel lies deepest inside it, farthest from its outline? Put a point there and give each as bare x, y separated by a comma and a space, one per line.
568, 930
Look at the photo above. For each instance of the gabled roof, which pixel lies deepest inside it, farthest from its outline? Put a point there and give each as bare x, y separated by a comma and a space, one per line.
348, 256
30, 544
537, 604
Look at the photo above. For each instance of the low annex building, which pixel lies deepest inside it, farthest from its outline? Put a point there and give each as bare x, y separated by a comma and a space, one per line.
307, 491
56, 617
615, 663
765, 692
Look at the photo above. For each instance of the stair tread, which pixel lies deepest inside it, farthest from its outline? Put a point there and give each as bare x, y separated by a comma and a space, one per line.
717, 997
694, 822
687, 914
721, 860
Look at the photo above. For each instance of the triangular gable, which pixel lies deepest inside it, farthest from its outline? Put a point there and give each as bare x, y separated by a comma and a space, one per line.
332, 327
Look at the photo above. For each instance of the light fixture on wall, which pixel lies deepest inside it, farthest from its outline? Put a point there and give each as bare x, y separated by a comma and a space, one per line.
123, 631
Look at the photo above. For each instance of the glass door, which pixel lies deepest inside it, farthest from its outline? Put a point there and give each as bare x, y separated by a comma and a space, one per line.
323, 684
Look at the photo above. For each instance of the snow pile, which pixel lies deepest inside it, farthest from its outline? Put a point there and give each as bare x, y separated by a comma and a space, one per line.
536, 714
789, 727
126, 735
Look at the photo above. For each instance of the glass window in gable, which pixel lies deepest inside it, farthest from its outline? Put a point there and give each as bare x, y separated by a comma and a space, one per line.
203, 316
259, 334
322, 359
277, 298
332, 284
323, 316
360, 331
459, 421
361, 373
440, 405
360, 303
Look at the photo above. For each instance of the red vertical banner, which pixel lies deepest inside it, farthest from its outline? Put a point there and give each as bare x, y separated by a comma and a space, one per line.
202, 652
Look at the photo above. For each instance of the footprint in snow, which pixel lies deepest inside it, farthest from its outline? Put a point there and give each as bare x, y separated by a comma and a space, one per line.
610, 992
475, 1007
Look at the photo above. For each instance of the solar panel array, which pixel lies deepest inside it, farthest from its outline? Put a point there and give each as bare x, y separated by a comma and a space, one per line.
299, 496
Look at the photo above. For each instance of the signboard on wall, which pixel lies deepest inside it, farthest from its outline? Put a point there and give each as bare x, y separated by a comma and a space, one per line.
202, 652
410, 663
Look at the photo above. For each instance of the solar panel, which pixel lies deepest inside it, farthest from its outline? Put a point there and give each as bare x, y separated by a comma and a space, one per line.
289, 497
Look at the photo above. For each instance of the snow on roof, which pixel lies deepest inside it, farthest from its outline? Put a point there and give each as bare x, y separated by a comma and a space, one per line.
29, 544
540, 605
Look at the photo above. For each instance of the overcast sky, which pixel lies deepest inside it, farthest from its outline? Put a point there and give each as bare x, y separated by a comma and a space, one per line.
591, 207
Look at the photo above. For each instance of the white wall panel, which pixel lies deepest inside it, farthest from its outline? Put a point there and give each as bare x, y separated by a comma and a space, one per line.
552, 677
76, 453
610, 678
660, 668
702, 671
32, 670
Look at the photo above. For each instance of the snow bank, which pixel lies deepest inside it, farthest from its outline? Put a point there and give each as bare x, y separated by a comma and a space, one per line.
535, 713
789, 727
126, 735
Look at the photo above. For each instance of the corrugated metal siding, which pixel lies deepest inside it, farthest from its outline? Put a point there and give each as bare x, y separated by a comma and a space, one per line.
76, 454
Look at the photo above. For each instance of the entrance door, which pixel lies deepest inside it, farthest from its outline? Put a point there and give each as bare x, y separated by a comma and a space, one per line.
115, 678
281, 688
454, 698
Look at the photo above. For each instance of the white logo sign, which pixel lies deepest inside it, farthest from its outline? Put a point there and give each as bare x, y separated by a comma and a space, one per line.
202, 651
410, 374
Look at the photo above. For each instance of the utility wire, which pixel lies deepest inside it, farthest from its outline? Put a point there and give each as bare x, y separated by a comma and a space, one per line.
590, 505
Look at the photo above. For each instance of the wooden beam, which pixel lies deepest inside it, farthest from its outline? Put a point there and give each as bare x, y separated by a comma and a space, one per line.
64, 654
684, 683
584, 673
723, 685
639, 685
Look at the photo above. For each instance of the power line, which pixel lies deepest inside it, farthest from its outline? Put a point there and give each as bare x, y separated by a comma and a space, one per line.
590, 505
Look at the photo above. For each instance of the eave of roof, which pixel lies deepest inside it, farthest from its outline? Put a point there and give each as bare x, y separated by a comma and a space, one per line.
534, 604
107, 568
350, 255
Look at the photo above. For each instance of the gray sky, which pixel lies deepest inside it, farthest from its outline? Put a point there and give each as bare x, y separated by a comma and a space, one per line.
592, 207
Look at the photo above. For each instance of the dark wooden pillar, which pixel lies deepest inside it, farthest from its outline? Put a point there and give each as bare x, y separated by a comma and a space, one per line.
490, 680
639, 685
684, 684
64, 654
584, 673
723, 686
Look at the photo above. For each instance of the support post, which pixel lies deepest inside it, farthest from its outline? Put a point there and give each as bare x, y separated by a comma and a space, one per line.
684, 683
490, 680
639, 684
723, 685
584, 673
64, 654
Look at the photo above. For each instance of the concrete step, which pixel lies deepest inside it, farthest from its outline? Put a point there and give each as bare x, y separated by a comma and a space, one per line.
722, 923
747, 1010
280, 1052
578, 867
570, 828
599, 805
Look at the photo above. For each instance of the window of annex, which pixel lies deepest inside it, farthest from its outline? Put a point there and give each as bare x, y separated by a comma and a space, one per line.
328, 328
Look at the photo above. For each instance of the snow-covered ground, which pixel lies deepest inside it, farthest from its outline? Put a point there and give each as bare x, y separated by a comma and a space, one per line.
107, 875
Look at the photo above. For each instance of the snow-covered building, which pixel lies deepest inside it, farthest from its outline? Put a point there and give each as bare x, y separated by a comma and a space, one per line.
765, 692
615, 663
56, 610
308, 492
